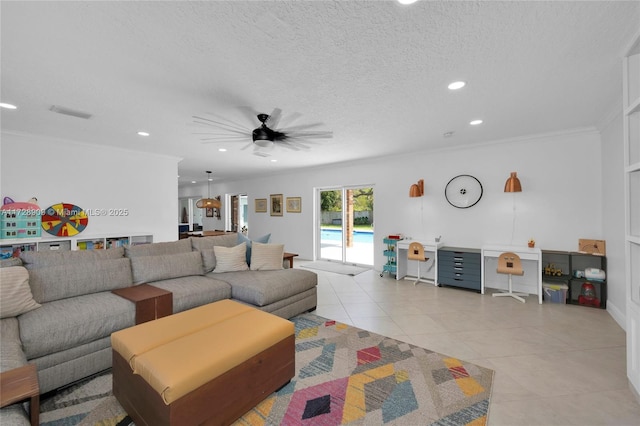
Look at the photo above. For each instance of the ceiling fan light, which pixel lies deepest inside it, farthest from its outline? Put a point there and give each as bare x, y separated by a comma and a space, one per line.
265, 143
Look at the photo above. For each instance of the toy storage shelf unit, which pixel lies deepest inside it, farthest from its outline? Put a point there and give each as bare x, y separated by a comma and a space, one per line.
85, 242
582, 273
391, 253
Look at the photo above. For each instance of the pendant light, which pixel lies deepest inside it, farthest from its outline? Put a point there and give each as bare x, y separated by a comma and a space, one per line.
417, 189
513, 183
208, 203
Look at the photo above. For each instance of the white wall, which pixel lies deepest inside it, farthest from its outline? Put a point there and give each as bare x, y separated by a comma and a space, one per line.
561, 200
614, 217
94, 177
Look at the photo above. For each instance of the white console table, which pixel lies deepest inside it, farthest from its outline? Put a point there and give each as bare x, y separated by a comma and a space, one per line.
430, 251
525, 253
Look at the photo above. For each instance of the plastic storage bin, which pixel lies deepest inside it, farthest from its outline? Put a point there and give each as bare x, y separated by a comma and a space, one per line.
554, 293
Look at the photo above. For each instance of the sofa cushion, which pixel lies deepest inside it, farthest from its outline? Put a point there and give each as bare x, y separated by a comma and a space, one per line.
230, 258
147, 269
40, 259
266, 257
205, 246
204, 243
262, 288
193, 291
11, 355
155, 249
242, 239
83, 277
16, 297
74, 321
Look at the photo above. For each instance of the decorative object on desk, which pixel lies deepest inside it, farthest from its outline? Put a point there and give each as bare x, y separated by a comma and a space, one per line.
209, 211
510, 263
417, 189
597, 247
64, 220
261, 205
463, 191
531, 243
416, 252
513, 183
294, 204
208, 202
276, 204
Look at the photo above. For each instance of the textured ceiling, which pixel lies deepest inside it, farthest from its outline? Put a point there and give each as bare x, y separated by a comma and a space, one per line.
373, 72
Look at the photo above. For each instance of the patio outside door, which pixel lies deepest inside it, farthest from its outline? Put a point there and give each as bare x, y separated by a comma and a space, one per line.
345, 231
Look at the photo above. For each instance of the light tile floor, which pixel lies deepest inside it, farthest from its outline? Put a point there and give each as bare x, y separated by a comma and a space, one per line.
554, 364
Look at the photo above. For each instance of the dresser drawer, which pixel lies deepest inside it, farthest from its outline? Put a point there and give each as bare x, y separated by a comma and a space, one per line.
459, 268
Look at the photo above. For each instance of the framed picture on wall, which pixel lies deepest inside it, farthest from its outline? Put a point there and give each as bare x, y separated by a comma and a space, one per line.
209, 212
294, 204
261, 205
276, 204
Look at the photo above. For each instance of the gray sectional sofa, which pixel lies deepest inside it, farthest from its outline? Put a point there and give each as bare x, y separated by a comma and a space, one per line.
68, 336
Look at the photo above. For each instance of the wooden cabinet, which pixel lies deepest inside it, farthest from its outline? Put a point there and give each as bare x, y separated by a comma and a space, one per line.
459, 267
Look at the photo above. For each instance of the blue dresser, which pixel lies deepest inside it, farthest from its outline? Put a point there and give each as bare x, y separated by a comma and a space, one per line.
459, 267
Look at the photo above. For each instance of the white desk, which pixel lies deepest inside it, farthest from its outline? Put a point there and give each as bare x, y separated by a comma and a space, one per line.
524, 252
430, 247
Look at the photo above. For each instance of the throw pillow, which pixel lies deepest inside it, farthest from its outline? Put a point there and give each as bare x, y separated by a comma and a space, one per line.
230, 259
266, 257
242, 239
16, 294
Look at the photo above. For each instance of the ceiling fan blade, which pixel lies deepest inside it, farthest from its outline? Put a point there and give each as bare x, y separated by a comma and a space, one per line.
230, 126
246, 146
274, 118
289, 119
310, 135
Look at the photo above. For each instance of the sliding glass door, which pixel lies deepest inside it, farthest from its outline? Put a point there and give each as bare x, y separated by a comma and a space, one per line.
345, 231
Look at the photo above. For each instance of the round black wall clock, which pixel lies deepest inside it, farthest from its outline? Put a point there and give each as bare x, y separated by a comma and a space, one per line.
463, 191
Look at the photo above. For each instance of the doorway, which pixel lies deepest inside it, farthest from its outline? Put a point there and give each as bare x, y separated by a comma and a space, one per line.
345, 226
238, 213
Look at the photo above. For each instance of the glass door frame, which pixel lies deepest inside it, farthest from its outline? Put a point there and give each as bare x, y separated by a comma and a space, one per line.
344, 217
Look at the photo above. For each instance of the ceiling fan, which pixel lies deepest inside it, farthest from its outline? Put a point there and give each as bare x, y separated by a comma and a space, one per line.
267, 135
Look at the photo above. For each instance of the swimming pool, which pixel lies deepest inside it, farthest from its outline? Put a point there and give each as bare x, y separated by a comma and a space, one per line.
336, 235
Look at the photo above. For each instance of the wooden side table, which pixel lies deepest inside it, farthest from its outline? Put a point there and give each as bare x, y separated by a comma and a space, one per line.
151, 302
289, 257
19, 384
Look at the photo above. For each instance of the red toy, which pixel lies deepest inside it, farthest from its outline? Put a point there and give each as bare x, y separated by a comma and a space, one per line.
588, 295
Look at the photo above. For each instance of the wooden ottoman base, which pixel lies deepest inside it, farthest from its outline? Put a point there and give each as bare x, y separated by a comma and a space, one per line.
221, 401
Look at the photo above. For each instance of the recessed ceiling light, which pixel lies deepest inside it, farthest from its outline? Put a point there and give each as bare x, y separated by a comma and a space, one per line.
274, 161
222, 149
193, 181
407, 1
475, 122
7, 106
143, 133
456, 85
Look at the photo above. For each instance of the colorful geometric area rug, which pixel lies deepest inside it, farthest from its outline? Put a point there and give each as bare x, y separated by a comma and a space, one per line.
344, 375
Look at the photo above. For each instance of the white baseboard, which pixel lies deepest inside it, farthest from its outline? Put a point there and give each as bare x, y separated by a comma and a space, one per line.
617, 315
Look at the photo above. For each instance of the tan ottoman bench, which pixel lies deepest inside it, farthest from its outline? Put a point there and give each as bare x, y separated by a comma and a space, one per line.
207, 365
